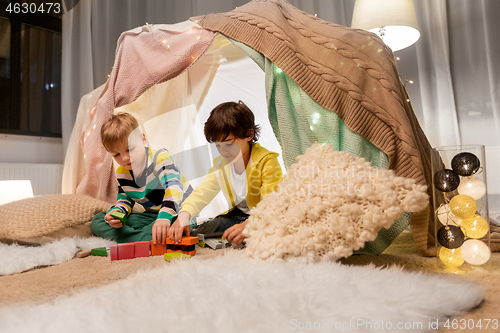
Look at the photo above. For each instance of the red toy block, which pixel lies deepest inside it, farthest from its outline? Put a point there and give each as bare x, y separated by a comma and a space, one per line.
184, 241
141, 249
126, 251
114, 251
158, 249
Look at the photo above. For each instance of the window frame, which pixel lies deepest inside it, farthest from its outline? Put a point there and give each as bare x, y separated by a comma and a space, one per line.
51, 23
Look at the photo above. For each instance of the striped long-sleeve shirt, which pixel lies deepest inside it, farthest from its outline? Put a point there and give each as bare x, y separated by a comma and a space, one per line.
160, 188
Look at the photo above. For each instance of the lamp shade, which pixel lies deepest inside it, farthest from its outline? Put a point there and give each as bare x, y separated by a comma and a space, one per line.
393, 20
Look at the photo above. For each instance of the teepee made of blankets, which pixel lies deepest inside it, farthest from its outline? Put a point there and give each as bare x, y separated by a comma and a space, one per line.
323, 83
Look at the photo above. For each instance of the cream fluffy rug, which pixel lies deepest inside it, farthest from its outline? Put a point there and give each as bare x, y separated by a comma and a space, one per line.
16, 258
232, 293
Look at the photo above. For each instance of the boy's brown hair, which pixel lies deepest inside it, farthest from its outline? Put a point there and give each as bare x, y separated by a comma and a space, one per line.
231, 118
117, 128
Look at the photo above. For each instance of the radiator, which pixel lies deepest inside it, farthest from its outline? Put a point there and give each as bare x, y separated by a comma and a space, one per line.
45, 178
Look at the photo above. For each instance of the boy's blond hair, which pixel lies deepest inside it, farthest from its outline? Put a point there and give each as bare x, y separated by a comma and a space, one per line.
117, 129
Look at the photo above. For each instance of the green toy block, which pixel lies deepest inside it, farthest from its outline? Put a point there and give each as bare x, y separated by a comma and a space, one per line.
176, 255
120, 216
100, 251
202, 244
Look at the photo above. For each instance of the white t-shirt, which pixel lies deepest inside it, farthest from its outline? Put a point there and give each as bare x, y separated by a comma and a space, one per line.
240, 189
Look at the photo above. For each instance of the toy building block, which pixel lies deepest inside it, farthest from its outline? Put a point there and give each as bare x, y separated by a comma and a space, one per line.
100, 251
217, 234
184, 241
216, 244
213, 240
141, 249
158, 249
120, 216
175, 255
83, 254
122, 251
113, 252
186, 246
126, 251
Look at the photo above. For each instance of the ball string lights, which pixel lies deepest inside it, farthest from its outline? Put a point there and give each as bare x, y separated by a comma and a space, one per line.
465, 164
451, 257
445, 216
463, 206
463, 226
473, 187
446, 180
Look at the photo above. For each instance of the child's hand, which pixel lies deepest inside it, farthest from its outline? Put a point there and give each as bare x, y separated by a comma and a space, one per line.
180, 225
234, 234
160, 230
115, 223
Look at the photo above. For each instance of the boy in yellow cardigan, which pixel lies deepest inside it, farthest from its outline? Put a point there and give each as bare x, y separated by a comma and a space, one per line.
245, 172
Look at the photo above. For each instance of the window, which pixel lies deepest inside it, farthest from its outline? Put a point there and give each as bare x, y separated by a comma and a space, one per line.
30, 69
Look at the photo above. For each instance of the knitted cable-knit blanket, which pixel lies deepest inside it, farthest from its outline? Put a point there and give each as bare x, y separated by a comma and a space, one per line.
348, 71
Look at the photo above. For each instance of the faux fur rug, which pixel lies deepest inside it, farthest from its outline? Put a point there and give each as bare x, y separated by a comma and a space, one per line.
232, 293
16, 258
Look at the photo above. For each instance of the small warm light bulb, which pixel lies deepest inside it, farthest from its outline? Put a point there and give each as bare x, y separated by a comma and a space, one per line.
475, 227
473, 187
451, 257
475, 252
446, 217
463, 206
315, 117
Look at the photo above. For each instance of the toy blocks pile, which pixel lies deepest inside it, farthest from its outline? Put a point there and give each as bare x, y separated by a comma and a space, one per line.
170, 250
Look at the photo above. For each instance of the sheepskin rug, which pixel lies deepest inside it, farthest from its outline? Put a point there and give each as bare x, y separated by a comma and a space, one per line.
234, 293
17, 258
329, 204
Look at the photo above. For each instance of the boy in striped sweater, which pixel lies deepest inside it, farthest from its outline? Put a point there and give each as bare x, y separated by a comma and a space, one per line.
145, 176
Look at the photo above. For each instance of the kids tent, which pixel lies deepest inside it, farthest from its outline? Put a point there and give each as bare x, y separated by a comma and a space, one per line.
306, 79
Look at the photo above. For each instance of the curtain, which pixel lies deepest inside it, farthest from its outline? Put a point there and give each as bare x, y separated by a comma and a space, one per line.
459, 78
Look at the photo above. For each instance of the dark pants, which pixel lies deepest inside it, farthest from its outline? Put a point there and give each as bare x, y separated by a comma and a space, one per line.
221, 222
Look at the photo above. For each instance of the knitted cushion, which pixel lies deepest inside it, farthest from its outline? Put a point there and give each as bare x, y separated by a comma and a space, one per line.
45, 218
329, 204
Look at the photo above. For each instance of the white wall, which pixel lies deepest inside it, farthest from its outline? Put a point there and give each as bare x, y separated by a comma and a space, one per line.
30, 149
